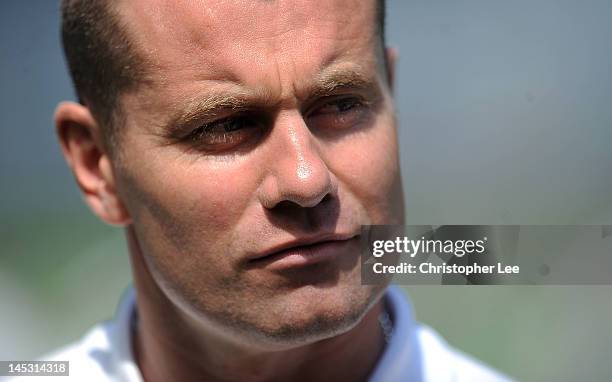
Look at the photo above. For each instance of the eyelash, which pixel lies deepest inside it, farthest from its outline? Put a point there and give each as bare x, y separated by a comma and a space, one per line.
229, 129
352, 101
233, 135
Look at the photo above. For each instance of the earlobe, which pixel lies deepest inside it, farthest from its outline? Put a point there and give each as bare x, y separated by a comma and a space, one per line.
80, 139
392, 55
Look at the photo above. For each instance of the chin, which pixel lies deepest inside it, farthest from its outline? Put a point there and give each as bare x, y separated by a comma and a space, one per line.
311, 314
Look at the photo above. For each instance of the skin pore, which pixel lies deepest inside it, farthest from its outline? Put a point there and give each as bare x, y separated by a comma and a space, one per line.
262, 124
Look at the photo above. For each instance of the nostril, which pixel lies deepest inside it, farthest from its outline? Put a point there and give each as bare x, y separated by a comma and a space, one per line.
290, 204
286, 205
326, 199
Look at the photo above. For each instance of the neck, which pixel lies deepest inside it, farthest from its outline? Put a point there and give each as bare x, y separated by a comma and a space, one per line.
166, 353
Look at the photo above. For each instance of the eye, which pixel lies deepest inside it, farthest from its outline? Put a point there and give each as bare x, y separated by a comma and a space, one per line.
339, 106
338, 113
227, 133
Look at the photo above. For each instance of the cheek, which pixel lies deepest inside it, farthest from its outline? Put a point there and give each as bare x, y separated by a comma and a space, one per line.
367, 165
188, 207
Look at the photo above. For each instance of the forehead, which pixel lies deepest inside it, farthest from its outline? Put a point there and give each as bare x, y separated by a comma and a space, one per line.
250, 41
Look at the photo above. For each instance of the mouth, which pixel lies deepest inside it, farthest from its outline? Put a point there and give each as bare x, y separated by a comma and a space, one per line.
305, 252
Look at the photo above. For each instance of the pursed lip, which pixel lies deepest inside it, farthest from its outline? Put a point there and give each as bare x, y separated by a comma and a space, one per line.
304, 250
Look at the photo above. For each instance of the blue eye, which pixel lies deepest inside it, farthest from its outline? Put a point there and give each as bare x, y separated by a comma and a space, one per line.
347, 104
339, 106
227, 125
226, 133
339, 113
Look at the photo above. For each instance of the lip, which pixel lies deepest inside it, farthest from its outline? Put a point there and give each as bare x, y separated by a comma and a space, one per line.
304, 251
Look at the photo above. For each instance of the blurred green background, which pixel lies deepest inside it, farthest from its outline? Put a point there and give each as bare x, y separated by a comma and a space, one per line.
505, 119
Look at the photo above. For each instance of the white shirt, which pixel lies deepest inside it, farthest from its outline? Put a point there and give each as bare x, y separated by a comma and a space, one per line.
415, 353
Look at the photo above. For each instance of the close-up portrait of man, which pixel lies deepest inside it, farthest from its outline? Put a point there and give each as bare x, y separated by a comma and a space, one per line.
299, 191
242, 145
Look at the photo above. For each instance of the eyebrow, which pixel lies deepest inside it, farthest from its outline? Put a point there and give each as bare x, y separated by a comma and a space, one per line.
210, 106
326, 83
336, 79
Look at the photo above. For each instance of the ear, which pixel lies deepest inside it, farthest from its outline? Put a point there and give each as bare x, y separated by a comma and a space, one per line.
81, 143
392, 55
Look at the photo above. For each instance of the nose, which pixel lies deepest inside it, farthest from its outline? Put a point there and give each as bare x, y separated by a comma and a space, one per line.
297, 171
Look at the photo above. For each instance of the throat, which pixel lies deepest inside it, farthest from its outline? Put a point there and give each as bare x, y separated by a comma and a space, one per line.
351, 356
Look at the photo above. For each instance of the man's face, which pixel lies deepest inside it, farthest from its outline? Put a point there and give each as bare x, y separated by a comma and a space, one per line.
265, 124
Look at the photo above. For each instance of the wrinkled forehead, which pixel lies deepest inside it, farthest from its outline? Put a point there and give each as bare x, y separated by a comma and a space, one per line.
251, 38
